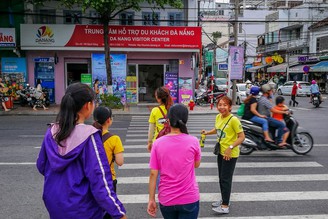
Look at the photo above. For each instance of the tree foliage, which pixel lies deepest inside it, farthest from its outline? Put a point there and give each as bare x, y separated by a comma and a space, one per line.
108, 10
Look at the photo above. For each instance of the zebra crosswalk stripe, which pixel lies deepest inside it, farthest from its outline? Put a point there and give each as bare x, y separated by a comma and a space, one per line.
242, 197
238, 165
241, 178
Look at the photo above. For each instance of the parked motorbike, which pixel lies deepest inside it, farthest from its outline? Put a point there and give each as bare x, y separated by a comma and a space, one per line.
316, 100
25, 97
204, 96
30, 96
299, 140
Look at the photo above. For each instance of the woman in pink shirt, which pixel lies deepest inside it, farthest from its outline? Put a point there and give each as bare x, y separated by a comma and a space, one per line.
175, 156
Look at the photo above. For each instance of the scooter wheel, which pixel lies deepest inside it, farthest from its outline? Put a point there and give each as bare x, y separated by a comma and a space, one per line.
303, 143
244, 149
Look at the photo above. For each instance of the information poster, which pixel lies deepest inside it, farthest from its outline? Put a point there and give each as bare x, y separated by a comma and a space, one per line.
118, 65
14, 69
185, 90
171, 82
99, 71
236, 62
131, 89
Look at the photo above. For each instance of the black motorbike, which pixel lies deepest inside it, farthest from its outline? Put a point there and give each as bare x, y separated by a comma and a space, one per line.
29, 96
25, 96
316, 100
299, 140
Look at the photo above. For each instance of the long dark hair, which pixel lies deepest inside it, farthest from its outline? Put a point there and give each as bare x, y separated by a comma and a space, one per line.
164, 95
76, 95
178, 116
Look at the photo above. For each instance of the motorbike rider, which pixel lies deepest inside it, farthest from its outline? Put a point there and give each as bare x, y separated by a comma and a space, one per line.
265, 107
314, 89
250, 112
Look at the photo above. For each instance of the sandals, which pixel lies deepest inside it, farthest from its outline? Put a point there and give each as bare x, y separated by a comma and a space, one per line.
282, 145
269, 141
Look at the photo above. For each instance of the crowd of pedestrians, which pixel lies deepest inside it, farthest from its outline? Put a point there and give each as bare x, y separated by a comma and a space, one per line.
77, 160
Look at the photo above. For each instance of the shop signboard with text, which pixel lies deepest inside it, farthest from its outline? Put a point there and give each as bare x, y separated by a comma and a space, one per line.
7, 37
74, 36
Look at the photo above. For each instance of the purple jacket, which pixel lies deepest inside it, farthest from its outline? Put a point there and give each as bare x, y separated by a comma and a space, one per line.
77, 178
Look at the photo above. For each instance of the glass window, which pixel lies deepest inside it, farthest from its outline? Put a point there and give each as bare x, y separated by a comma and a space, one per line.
127, 18
94, 17
175, 19
72, 17
47, 17
150, 18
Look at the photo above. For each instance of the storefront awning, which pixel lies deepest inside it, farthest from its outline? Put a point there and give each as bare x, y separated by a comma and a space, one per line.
278, 68
281, 67
320, 67
298, 68
255, 68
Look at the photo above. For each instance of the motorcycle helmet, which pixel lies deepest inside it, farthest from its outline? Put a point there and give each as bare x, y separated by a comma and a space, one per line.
313, 82
266, 88
255, 90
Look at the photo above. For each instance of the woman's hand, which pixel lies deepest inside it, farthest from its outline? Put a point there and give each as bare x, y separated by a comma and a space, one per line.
150, 144
227, 154
152, 208
263, 116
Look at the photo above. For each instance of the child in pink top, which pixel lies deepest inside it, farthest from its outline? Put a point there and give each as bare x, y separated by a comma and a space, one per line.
175, 156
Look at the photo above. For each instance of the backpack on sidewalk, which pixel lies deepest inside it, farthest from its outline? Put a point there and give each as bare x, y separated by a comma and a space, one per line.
167, 129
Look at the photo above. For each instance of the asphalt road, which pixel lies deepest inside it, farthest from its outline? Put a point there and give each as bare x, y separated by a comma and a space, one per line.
269, 184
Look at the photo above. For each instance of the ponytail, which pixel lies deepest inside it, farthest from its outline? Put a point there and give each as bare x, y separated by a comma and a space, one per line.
164, 95
182, 126
77, 94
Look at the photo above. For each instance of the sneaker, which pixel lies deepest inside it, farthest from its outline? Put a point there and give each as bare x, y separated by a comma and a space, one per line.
217, 204
221, 210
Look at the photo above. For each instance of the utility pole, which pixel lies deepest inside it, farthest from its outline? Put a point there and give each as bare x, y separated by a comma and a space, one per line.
235, 33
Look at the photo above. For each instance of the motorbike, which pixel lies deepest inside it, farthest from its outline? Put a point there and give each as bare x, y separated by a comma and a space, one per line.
300, 140
203, 96
25, 96
316, 100
30, 96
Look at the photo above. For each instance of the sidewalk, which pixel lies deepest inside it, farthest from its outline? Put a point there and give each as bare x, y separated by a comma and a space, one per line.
139, 109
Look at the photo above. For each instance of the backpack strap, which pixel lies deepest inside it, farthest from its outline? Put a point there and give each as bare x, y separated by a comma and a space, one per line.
105, 137
162, 112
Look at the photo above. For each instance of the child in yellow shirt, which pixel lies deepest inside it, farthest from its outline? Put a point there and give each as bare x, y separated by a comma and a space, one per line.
112, 143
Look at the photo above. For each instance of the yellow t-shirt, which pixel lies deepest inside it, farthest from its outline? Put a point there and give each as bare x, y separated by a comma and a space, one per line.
229, 135
112, 145
155, 117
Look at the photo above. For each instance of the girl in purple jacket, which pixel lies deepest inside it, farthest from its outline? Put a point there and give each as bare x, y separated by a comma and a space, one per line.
77, 178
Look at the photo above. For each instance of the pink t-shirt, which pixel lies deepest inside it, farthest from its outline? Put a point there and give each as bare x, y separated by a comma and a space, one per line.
174, 156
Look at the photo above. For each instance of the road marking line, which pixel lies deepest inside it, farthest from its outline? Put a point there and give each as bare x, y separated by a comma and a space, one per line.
15, 164
260, 153
203, 165
240, 197
134, 166
241, 178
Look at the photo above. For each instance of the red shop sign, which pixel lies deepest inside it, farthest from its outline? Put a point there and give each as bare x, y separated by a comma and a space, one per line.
137, 37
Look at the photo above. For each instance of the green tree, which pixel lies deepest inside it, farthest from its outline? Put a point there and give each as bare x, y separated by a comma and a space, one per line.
108, 10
